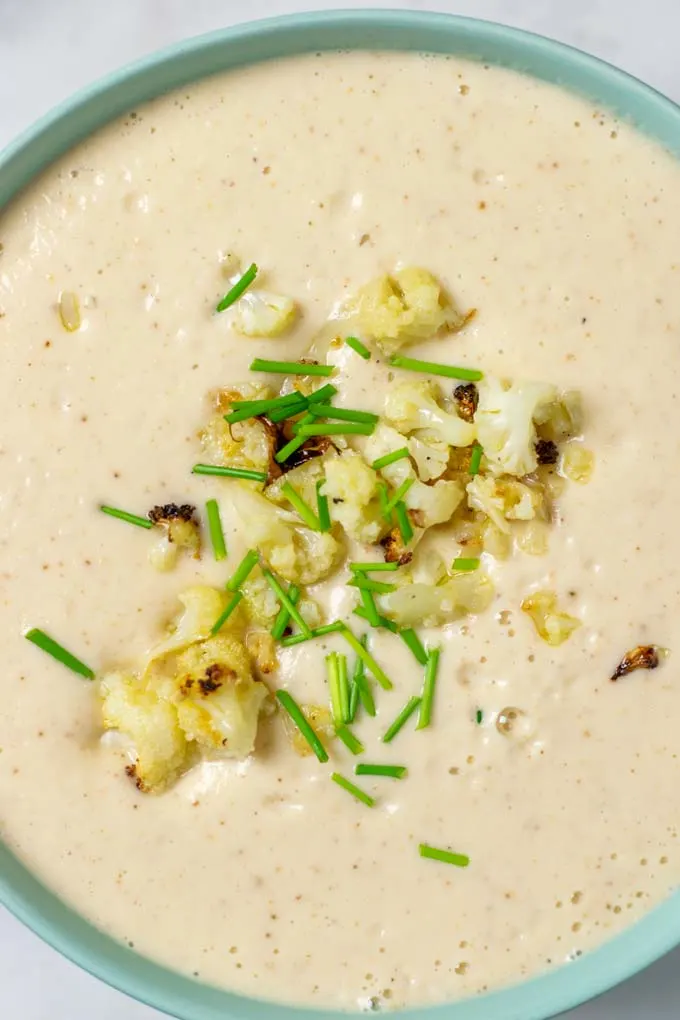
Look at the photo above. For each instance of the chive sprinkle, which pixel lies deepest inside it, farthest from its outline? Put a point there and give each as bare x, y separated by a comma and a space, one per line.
357, 346
461, 563
368, 659
289, 410
238, 289
253, 408
383, 622
289, 367
291, 706
322, 510
390, 458
398, 495
412, 641
404, 522
351, 742
353, 700
328, 628
294, 613
475, 459
370, 608
365, 798
336, 665
303, 508
361, 683
283, 616
229, 472
479, 717
228, 610
403, 717
358, 428
323, 394
243, 569
342, 413
434, 368
290, 448
391, 771
215, 528
383, 497
446, 856
368, 567
429, 684
367, 584
123, 515
47, 644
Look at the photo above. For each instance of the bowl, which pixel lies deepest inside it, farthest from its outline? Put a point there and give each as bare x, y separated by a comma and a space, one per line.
21, 892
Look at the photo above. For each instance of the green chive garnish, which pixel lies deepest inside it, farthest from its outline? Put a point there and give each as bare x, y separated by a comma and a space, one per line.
390, 458
361, 683
383, 622
404, 522
350, 429
398, 496
328, 628
323, 512
290, 367
289, 410
368, 567
460, 563
383, 497
229, 472
367, 658
428, 688
342, 413
338, 688
479, 717
434, 368
403, 717
215, 528
291, 706
285, 601
367, 584
475, 459
228, 610
323, 394
353, 700
357, 346
370, 608
365, 798
58, 652
446, 856
283, 616
412, 641
242, 410
123, 515
239, 288
351, 742
243, 569
391, 771
304, 509
290, 448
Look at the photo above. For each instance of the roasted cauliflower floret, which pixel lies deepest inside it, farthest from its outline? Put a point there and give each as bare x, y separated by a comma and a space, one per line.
352, 491
504, 500
553, 625
202, 606
262, 605
181, 531
506, 418
412, 406
259, 313
404, 307
245, 444
431, 457
434, 504
434, 605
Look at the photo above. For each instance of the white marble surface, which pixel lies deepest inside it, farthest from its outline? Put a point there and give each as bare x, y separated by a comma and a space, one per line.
48, 48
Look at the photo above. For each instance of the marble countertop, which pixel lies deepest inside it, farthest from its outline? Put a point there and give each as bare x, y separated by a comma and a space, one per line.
49, 48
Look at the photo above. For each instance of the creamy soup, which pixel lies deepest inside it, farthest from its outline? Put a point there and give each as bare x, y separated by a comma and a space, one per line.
560, 226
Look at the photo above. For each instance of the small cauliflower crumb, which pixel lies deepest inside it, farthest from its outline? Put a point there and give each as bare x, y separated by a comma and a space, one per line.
553, 625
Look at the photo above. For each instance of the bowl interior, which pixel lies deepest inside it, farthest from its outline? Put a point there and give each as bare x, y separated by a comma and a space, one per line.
548, 994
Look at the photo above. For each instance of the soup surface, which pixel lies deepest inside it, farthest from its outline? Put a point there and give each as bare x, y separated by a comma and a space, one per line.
560, 225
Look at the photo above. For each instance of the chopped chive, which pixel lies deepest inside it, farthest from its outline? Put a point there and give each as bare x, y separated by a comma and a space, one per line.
215, 528
304, 509
370, 608
383, 497
391, 771
290, 448
123, 515
241, 411
434, 368
365, 798
383, 622
368, 659
289, 410
243, 569
228, 610
412, 641
350, 429
429, 684
404, 522
398, 496
328, 628
356, 345
475, 459
351, 742
367, 567
290, 367
47, 644
283, 616
323, 394
390, 458
307, 419
460, 563
403, 717
365, 694
322, 510
343, 686
291, 706
229, 472
342, 413
338, 688
354, 695
294, 613
479, 717
446, 856
367, 584
238, 289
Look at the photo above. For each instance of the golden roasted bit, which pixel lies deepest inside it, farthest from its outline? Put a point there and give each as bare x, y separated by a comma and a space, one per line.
467, 398
553, 625
642, 657
319, 718
395, 548
546, 451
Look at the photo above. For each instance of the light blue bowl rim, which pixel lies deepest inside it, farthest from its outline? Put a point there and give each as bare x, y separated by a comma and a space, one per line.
20, 891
